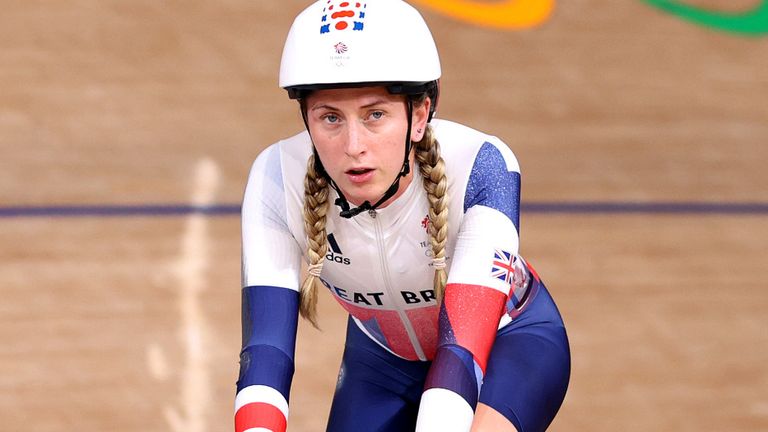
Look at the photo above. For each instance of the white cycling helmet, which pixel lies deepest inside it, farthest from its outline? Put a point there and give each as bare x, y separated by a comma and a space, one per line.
339, 43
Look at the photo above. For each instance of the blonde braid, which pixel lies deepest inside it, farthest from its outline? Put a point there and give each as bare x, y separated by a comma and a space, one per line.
432, 169
315, 211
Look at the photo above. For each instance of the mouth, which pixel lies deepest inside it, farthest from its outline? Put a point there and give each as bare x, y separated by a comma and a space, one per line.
358, 171
359, 175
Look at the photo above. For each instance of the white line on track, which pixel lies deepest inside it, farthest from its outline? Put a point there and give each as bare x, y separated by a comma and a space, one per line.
190, 272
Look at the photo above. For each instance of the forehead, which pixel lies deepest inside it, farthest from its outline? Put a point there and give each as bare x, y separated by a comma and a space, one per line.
352, 96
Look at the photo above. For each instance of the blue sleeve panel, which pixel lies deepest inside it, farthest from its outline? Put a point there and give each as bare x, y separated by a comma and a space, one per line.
492, 185
270, 319
454, 369
266, 365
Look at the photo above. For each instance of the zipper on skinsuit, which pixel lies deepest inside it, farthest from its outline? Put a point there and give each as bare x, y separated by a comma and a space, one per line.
388, 285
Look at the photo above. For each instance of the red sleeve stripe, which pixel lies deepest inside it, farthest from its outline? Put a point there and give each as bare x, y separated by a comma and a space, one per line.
472, 314
261, 407
260, 415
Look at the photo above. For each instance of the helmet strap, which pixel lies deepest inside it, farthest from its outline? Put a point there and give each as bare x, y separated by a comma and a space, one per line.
347, 212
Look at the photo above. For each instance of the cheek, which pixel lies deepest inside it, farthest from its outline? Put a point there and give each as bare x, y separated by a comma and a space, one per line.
325, 150
321, 146
395, 147
396, 153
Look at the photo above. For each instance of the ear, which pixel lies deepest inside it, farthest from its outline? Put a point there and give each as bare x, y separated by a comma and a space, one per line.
419, 118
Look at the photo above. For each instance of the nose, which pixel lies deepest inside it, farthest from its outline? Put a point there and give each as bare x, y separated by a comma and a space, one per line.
355, 145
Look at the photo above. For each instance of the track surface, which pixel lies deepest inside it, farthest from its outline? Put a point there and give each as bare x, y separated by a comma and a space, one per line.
130, 321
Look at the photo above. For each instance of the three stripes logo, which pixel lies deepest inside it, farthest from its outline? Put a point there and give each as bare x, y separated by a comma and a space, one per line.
335, 255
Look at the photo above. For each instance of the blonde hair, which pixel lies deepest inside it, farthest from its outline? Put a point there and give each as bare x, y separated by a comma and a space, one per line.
431, 168
315, 213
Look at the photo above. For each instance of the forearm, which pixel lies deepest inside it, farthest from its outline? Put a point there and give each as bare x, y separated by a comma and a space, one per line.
270, 317
468, 322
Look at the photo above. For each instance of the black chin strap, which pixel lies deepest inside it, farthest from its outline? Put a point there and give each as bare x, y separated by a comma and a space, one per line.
341, 201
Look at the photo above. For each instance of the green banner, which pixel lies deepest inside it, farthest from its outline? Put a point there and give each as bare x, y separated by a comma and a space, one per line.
753, 22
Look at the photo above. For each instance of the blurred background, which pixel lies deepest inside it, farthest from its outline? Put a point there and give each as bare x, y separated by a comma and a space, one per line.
127, 129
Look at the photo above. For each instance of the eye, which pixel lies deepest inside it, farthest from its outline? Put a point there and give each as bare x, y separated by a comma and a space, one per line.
330, 118
376, 115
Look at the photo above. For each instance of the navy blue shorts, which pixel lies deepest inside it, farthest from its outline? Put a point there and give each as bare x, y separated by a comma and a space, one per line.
526, 378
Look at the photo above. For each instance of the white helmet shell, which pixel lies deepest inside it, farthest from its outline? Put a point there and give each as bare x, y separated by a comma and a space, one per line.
339, 42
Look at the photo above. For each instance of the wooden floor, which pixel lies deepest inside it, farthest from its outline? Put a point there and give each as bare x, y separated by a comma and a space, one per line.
128, 320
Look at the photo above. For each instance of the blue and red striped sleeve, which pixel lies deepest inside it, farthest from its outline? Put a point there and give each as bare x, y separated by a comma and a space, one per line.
479, 284
271, 263
270, 317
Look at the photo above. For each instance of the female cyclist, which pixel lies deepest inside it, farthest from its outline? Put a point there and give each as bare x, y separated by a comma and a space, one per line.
411, 224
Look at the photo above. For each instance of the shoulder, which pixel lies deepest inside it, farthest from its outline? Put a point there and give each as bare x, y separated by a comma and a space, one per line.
465, 144
281, 166
488, 171
277, 175
285, 156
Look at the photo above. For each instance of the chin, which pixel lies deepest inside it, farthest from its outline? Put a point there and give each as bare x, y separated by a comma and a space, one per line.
355, 201
370, 191
359, 198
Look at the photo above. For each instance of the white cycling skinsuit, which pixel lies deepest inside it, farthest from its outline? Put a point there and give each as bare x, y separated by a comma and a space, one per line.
379, 268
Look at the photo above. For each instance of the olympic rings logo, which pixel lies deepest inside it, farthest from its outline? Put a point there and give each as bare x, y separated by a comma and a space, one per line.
522, 14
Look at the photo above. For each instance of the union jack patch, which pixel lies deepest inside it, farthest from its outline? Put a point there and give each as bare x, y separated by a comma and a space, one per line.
503, 267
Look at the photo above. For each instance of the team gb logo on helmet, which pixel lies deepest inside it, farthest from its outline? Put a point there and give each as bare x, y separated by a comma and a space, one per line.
341, 17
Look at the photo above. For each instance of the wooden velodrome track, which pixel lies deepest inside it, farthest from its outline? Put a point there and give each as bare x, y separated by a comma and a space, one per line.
127, 318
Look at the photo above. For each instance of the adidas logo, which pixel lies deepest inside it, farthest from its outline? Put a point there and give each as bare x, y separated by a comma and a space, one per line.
335, 255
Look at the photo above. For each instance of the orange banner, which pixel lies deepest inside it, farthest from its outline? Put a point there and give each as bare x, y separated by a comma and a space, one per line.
505, 14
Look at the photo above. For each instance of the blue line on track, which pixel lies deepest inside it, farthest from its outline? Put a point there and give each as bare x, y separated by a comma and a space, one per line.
672, 208
118, 210
576, 208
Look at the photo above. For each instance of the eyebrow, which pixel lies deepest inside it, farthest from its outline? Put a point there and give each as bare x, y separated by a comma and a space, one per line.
378, 101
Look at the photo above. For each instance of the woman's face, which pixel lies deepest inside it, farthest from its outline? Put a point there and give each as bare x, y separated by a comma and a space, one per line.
359, 134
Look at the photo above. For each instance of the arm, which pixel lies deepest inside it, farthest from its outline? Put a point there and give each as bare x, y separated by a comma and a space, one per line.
266, 360
271, 265
477, 291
